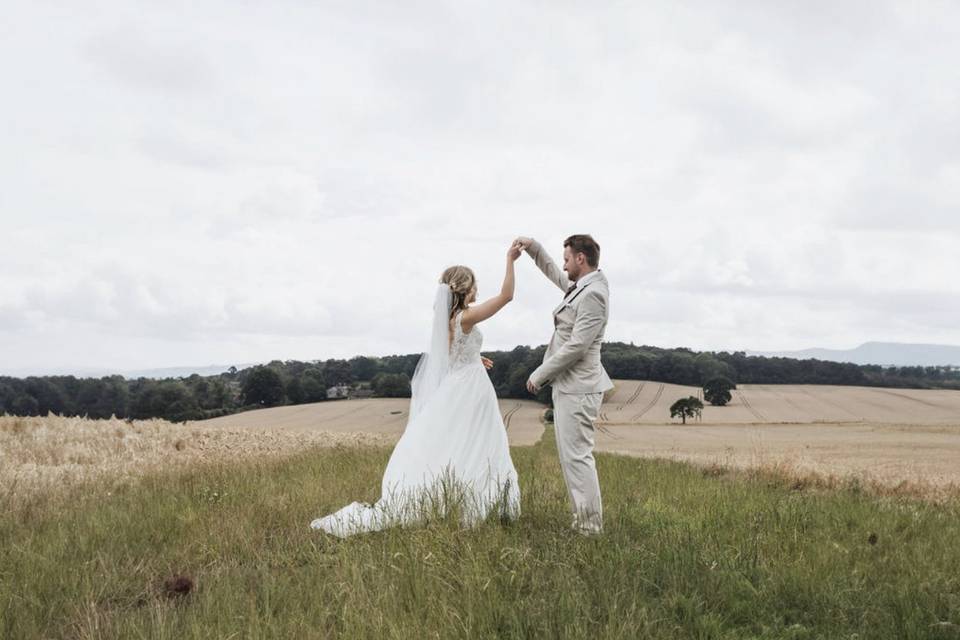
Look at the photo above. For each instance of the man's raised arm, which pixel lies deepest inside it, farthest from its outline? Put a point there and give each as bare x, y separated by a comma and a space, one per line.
544, 263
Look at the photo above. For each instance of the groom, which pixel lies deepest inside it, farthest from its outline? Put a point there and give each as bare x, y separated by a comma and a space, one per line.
572, 365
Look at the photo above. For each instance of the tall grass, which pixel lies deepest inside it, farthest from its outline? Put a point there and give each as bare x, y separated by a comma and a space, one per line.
685, 554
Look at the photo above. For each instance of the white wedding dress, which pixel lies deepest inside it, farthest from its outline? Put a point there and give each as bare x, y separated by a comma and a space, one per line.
454, 450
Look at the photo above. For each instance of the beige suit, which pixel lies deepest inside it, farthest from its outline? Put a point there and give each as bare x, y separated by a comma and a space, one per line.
572, 365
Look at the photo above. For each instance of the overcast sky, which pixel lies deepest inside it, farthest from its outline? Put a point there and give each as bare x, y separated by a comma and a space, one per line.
224, 182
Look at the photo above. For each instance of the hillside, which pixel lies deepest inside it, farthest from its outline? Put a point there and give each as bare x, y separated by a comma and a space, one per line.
882, 353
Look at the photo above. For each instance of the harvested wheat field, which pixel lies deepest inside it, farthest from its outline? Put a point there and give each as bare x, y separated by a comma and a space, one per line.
887, 436
642, 402
383, 416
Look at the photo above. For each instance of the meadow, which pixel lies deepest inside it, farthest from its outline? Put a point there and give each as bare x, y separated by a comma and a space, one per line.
220, 548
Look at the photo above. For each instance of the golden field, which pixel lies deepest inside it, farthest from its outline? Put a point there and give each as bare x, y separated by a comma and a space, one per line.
888, 437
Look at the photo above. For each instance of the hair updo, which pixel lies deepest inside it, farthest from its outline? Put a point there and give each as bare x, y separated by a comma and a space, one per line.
461, 281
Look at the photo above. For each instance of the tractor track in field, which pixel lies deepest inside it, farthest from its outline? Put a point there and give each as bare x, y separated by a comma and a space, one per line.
650, 405
610, 434
600, 426
783, 397
508, 415
756, 414
833, 404
633, 398
604, 417
911, 398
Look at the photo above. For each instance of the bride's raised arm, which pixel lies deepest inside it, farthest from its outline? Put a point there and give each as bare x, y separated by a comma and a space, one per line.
479, 312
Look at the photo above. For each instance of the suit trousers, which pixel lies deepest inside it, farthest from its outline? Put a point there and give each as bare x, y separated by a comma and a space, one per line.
573, 418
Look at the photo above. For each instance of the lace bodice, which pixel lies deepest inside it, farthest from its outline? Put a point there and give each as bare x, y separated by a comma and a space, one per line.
465, 348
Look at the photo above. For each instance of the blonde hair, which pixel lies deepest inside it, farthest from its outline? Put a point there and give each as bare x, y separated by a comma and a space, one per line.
461, 282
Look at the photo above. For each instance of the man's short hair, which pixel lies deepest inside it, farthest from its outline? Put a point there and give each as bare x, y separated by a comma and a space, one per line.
585, 244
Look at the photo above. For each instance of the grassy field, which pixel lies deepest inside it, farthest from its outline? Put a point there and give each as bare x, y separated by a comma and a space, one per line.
687, 553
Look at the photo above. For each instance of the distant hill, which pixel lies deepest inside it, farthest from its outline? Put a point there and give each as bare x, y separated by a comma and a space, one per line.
161, 373
882, 353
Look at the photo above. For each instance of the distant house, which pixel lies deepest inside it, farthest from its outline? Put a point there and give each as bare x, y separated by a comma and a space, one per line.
342, 391
339, 392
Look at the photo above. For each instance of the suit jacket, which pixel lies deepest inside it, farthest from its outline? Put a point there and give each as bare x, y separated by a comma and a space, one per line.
572, 361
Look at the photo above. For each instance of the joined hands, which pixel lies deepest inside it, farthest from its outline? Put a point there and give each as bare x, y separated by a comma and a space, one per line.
523, 242
519, 246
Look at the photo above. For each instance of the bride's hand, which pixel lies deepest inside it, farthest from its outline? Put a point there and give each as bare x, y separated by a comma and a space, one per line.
514, 251
487, 362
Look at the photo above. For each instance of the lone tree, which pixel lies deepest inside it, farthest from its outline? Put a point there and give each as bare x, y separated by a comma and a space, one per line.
716, 391
686, 408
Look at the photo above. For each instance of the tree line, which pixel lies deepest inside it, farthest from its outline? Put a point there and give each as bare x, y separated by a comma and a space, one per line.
296, 382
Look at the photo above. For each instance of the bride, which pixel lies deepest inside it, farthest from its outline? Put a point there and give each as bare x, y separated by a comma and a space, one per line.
453, 454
